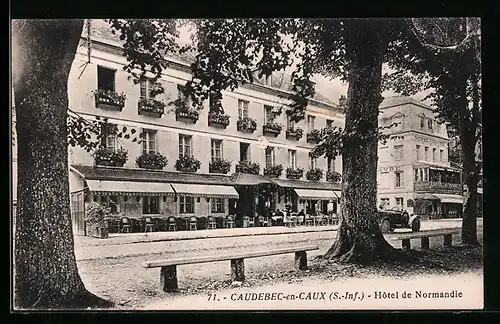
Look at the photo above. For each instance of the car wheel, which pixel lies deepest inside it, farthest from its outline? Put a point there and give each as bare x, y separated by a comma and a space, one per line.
415, 225
385, 227
406, 218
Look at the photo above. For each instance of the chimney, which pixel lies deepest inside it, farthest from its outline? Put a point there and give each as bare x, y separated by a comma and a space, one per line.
342, 101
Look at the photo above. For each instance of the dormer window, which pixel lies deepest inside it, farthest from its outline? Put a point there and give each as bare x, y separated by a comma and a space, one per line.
429, 124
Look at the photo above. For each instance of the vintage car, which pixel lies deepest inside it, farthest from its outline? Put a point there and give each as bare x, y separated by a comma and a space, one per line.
390, 219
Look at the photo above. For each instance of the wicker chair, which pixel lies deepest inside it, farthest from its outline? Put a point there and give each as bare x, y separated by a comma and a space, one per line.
149, 224
193, 223
211, 223
125, 225
229, 221
172, 224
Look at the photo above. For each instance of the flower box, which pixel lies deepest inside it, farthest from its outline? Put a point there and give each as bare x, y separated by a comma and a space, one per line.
333, 176
154, 161
294, 133
187, 163
314, 174
246, 124
314, 136
151, 107
294, 173
109, 99
107, 157
247, 167
274, 171
218, 120
186, 114
272, 129
219, 166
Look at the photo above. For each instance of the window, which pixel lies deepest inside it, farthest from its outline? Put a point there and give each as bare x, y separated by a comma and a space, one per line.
106, 79
289, 122
331, 164
111, 202
216, 149
109, 140
310, 123
383, 154
245, 152
186, 205
417, 148
312, 162
185, 145
398, 152
150, 205
182, 95
149, 141
399, 179
429, 124
147, 85
399, 203
242, 109
434, 153
270, 158
426, 175
329, 123
268, 114
441, 155
422, 121
292, 158
214, 101
217, 205
426, 150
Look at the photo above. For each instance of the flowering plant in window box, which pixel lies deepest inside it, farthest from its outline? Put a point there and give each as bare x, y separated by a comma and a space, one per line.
246, 124
314, 136
151, 107
107, 157
271, 128
187, 163
294, 173
294, 133
109, 99
152, 160
314, 174
215, 119
219, 166
248, 167
183, 111
274, 171
333, 176
94, 220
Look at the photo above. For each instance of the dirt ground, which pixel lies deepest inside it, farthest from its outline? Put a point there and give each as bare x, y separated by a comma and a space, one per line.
125, 282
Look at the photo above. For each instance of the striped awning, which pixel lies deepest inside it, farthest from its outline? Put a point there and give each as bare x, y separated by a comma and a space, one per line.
130, 188
450, 199
199, 190
317, 194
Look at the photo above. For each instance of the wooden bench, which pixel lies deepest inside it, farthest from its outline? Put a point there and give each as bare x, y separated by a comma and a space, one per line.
168, 271
425, 235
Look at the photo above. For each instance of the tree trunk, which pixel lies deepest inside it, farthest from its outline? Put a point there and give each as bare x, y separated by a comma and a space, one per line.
468, 142
359, 238
46, 273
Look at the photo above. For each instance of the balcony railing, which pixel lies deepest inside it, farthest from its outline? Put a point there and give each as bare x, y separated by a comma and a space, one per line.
435, 186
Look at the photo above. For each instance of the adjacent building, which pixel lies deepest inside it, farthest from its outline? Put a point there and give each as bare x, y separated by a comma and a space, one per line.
414, 173
246, 161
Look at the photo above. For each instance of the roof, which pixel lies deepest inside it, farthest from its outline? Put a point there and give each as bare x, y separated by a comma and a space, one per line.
402, 100
138, 175
100, 29
245, 179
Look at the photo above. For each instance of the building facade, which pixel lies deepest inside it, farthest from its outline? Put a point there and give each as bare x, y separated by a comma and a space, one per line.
414, 173
245, 162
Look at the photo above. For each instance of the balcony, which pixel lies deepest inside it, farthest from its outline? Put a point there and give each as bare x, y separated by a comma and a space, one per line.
313, 136
109, 99
438, 187
294, 133
294, 173
246, 124
151, 107
218, 120
272, 129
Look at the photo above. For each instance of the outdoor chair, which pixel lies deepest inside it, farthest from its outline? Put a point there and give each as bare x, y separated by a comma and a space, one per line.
263, 221
125, 225
193, 223
249, 221
211, 223
172, 224
229, 221
309, 221
149, 224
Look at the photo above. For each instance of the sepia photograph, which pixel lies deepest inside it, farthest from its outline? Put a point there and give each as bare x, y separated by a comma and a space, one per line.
246, 164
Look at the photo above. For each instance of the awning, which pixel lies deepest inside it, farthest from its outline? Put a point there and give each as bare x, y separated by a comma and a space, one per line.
317, 194
130, 188
450, 199
426, 196
197, 190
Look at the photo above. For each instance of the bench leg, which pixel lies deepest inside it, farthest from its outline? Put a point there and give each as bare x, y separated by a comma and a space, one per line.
168, 278
447, 240
406, 244
300, 260
237, 270
425, 243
